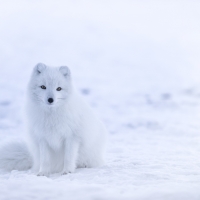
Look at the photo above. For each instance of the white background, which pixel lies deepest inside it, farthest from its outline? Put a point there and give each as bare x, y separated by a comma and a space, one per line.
137, 64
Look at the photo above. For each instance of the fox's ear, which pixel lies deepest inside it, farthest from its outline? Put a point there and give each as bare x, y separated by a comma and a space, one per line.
65, 71
40, 67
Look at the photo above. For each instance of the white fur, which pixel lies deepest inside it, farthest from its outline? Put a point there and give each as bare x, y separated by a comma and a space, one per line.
63, 135
14, 155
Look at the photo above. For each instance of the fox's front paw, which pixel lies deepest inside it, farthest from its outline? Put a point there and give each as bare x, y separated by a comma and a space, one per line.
43, 174
67, 171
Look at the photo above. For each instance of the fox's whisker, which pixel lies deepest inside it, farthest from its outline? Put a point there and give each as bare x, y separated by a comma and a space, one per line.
38, 98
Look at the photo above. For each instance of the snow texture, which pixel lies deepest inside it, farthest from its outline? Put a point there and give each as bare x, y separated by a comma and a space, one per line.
137, 64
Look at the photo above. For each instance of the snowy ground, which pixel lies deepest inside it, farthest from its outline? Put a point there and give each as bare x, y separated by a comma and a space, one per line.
137, 64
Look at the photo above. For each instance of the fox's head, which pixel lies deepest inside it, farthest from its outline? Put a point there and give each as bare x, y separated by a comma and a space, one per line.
50, 86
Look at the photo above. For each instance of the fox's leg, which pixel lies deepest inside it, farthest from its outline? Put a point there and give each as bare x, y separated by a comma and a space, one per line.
70, 155
35, 154
36, 161
45, 163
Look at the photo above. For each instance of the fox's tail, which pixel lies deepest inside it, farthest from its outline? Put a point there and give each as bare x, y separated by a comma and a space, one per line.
14, 155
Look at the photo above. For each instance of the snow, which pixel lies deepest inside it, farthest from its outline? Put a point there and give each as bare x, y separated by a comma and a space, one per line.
137, 64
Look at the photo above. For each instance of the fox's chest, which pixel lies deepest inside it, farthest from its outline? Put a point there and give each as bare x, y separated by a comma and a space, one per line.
55, 127
56, 132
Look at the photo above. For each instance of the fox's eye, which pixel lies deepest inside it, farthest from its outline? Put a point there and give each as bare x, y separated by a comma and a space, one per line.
59, 88
43, 87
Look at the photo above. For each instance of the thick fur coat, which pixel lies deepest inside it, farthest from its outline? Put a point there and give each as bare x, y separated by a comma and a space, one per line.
63, 133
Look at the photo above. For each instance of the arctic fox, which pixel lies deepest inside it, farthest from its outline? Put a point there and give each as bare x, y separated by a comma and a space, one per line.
63, 133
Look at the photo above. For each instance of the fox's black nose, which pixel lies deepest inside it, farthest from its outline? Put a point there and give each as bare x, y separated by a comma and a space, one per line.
50, 100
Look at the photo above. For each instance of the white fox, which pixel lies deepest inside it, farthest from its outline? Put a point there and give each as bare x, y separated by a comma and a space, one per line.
63, 133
